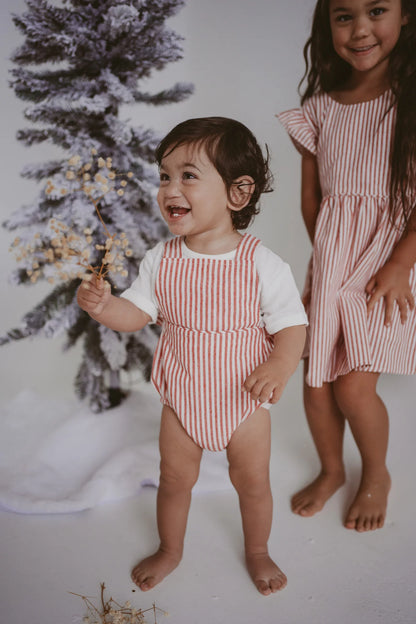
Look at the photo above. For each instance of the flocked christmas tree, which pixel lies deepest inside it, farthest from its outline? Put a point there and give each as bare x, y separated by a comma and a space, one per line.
96, 206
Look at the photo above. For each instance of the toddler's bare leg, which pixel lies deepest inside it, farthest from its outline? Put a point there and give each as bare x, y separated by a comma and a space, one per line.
249, 456
179, 469
326, 424
367, 416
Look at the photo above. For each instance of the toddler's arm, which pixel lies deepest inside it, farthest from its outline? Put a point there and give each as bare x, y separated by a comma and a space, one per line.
95, 297
392, 280
267, 381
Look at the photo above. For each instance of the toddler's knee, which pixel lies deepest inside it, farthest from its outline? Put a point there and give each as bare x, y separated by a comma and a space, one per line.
178, 479
250, 483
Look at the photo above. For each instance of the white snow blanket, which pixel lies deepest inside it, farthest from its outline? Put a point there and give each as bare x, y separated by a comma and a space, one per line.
59, 457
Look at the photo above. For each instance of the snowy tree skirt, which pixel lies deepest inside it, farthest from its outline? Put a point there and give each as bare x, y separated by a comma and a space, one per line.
59, 457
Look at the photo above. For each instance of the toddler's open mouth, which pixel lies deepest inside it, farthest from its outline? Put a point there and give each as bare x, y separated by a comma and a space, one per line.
178, 211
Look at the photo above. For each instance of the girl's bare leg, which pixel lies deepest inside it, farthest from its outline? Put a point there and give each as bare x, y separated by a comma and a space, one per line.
368, 419
327, 425
179, 469
249, 457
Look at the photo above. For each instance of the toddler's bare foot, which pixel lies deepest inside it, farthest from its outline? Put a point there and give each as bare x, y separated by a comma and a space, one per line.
267, 577
313, 497
368, 510
153, 569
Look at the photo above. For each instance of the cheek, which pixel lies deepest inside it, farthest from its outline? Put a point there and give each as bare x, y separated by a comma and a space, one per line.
391, 35
339, 39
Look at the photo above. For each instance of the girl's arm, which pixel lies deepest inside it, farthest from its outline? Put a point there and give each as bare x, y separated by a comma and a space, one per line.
119, 314
392, 280
311, 192
267, 381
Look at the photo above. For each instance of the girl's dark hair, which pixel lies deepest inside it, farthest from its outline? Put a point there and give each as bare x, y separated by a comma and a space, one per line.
326, 71
234, 152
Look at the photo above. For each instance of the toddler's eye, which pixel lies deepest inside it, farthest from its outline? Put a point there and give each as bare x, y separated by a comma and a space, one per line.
188, 175
163, 176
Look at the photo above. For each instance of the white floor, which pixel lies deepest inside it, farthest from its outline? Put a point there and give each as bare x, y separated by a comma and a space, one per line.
335, 576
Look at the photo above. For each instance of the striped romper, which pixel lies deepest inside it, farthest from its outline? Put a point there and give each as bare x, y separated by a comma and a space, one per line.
212, 339
354, 237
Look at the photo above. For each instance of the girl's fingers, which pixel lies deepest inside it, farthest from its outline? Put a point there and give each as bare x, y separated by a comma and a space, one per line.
370, 286
375, 297
402, 303
388, 312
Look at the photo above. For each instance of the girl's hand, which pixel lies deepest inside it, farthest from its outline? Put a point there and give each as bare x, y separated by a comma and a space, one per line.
266, 383
392, 283
93, 295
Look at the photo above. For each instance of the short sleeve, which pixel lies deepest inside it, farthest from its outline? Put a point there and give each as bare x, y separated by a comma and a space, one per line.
302, 125
142, 290
280, 301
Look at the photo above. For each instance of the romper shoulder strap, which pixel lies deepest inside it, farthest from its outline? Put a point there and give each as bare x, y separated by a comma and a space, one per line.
173, 248
247, 247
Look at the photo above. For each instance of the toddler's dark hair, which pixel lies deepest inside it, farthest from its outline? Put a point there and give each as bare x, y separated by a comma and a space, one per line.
234, 152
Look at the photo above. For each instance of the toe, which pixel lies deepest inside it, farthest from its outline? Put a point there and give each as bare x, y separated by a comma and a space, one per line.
278, 583
263, 587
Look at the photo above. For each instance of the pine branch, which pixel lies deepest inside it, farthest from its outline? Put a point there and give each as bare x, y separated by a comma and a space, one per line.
97, 53
176, 94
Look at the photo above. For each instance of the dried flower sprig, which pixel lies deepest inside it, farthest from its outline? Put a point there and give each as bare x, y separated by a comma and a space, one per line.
64, 254
111, 612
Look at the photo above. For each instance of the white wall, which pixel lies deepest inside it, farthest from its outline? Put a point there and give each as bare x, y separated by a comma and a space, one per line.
245, 60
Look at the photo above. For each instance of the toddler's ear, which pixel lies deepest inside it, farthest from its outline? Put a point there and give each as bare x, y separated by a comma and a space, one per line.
405, 19
241, 191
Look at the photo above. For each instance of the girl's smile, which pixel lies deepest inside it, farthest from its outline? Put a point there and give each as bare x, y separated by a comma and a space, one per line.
364, 32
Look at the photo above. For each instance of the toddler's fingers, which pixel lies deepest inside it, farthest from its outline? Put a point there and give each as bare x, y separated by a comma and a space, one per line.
95, 285
261, 391
277, 393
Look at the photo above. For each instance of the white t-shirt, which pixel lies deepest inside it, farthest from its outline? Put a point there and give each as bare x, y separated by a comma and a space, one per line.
280, 302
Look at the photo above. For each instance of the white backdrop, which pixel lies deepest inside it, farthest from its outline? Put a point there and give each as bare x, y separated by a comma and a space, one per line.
245, 61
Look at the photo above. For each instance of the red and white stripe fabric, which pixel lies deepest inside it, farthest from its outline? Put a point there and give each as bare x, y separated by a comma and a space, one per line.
212, 339
354, 237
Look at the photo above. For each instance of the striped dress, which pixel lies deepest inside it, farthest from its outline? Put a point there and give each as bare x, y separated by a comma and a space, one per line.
212, 339
353, 238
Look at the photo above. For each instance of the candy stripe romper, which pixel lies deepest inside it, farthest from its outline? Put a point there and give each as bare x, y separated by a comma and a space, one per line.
354, 237
210, 342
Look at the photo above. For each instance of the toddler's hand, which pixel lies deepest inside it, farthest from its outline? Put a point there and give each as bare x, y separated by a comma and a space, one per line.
93, 295
266, 383
392, 283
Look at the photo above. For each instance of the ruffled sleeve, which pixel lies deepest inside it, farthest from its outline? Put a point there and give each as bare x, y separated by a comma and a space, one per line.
302, 125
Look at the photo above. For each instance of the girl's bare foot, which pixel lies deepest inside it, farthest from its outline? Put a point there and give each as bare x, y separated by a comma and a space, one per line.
153, 569
267, 577
313, 497
368, 510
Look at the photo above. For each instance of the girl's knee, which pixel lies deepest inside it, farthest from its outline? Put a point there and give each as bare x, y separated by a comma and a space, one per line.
354, 390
